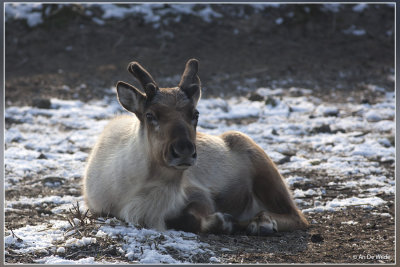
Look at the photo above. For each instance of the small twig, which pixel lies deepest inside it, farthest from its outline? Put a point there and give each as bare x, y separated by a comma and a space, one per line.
355, 205
79, 232
15, 236
70, 222
85, 216
73, 254
120, 40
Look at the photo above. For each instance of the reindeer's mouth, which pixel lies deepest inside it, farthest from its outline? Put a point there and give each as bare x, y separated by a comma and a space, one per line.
181, 164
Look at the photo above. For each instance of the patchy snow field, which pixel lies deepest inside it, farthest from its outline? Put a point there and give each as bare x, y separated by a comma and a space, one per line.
152, 13
155, 13
334, 156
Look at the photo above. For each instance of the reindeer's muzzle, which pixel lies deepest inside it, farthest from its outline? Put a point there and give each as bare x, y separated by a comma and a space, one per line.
182, 154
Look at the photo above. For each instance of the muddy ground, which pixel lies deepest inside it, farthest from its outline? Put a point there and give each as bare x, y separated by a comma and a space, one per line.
309, 50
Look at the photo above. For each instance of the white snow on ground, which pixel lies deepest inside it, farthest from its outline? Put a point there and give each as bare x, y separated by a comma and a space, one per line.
138, 243
30, 12
184, 242
342, 203
331, 7
38, 201
47, 143
154, 13
354, 30
360, 7
151, 13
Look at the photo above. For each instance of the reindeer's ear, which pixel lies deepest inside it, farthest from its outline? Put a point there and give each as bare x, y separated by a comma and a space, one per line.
190, 81
131, 98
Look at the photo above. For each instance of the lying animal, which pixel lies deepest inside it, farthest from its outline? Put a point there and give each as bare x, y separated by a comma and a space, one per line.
153, 169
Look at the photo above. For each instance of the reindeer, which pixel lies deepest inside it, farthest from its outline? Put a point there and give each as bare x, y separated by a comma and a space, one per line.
155, 170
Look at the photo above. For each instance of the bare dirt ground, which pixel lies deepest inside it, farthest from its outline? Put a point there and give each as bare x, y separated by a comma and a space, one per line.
309, 50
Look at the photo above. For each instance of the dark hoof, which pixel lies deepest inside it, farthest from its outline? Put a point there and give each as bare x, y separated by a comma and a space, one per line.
263, 231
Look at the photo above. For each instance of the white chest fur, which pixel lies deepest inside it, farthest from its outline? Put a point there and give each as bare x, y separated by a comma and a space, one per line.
155, 201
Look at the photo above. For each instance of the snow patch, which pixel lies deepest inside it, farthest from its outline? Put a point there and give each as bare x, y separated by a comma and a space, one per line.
354, 31
30, 12
336, 204
360, 7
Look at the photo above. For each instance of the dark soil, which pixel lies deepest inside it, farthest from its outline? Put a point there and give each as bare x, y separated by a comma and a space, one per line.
327, 241
308, 50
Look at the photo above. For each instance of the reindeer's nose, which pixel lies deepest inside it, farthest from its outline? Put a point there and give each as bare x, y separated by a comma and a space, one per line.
183, 150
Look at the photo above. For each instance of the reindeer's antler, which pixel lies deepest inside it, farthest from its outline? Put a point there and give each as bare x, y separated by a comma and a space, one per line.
190, 81
149, 85
190, 76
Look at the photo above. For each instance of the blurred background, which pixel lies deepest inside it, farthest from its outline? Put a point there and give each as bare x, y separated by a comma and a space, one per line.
79, 51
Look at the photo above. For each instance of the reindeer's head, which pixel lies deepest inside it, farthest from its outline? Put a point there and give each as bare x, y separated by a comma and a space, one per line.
167, 115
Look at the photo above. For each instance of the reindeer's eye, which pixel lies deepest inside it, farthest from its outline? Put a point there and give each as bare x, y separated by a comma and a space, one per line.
196, 115
150, 117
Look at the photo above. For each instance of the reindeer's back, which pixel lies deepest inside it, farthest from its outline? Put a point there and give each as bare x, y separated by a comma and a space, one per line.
218, 166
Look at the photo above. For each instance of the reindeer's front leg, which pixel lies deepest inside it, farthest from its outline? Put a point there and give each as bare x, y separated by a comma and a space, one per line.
199, 216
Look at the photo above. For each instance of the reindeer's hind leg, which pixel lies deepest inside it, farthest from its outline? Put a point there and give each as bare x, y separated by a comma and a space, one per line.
278, 210
269, 188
